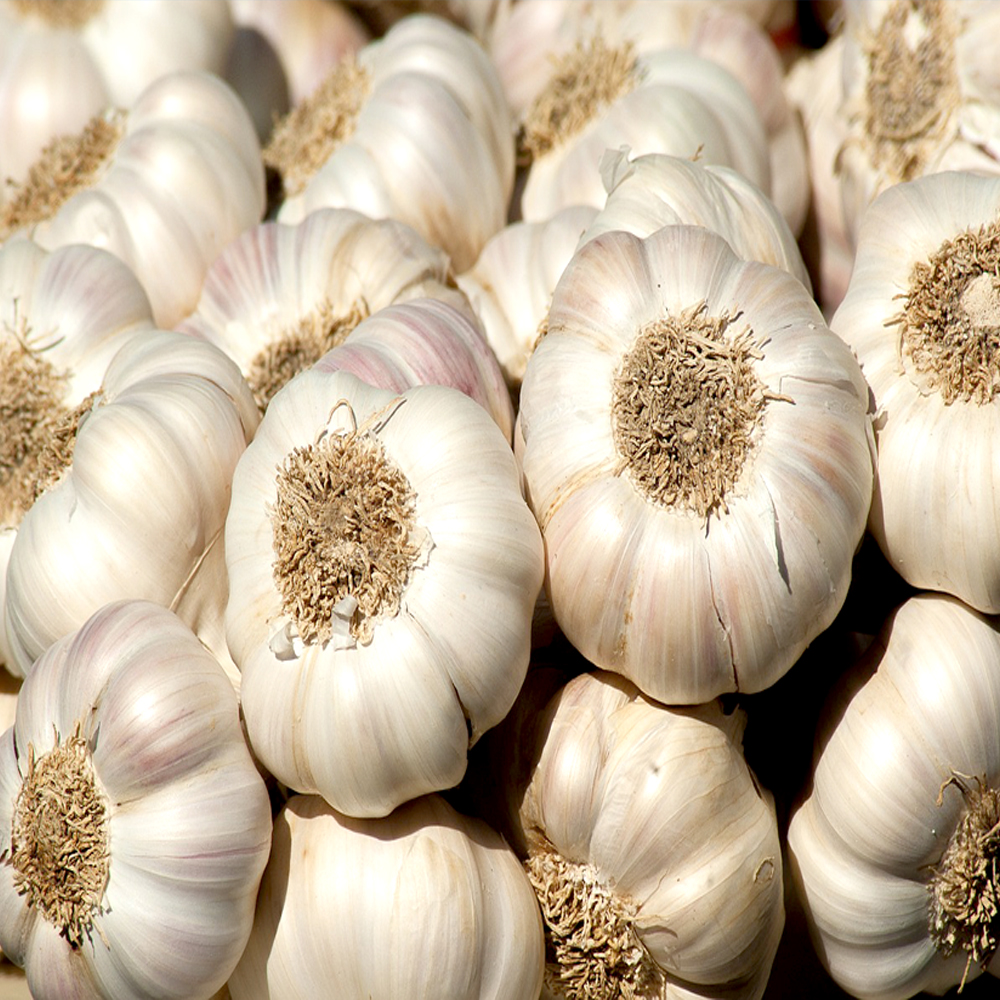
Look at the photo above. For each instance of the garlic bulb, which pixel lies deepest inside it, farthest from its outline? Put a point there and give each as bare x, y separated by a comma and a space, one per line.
137, 505
63, 63
425, 342
382, 583
697, 450
894, 848
63, 315
281, 295
510, 285
921, 95
134, 825
416, 128
163, 185
647, 192
665, 101
424, 903
653, 851
921, 314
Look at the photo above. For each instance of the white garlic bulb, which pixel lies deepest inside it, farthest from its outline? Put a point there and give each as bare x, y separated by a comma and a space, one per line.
894, 847
424, 903
163, 184
697, 450
665, 101
921, 94
134, 824
281, 295
63, 63
137, 505
652, 849
416, 128
921, 313
383, 568
63, 315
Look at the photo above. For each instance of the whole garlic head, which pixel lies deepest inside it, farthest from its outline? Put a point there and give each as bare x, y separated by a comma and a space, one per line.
893, 850
921, 313
383, 569
163, 184
424, 903
134, 825
697, 450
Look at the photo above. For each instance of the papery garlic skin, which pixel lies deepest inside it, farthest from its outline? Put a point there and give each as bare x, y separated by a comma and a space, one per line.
184, 178
690, 605
424, 903
659, 806
510, 285
432, 145
55, 76
883, 803
936, 460
73, 308
681, 104
370, 723
140, 511
187, 814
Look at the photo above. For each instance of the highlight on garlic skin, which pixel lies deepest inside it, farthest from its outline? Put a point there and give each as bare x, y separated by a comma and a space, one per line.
696, 447
134, 825
921, 94
424, 903
383, 569
893, 850
921, 314
63, 315
163, 184
414, 128
136, 506
62, 63
653, 851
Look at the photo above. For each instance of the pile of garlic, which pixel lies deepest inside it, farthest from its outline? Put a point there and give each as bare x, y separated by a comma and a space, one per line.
497, 499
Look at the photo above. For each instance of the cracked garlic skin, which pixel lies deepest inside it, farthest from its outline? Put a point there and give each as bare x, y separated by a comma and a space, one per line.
134, 824
893, 850
383, 570
653, 851
921, 313
425, 903
138, 507
697, 450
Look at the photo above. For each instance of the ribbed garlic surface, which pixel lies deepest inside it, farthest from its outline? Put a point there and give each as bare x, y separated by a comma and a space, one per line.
921, 94
425, 903
697, 449
921, 313
134, 825
163, 183
281, 295
62, 317
383, 568
136, 505
62, 63
652, 850
415, 128
894, 848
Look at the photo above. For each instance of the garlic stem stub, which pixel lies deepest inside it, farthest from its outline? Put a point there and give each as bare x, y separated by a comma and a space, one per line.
697, 449
134, 824
383, 570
